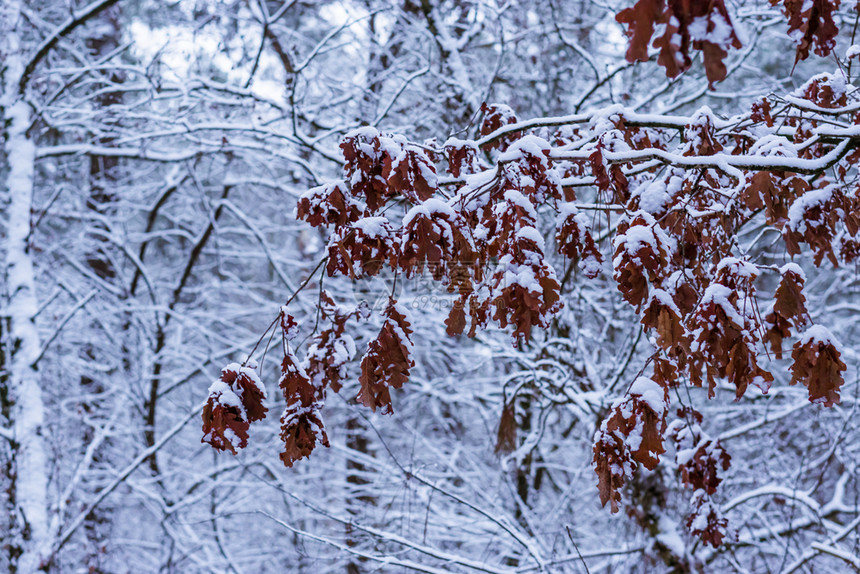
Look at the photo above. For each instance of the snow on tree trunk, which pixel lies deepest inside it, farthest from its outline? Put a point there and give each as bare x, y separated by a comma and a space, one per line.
30, 479
29, 540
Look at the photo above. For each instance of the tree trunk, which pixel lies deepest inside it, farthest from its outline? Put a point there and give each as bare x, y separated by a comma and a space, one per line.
28, 541
356, 440
103, 40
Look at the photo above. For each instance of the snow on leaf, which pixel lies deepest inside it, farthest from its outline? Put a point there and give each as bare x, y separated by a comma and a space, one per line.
818, 365
811, 24
387, 361
235, 401
631, 432
301, 424
331, 350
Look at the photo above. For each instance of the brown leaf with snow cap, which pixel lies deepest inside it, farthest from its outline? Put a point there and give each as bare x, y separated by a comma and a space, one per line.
301, 425
387, 361
632, 432
235, 401
818, 365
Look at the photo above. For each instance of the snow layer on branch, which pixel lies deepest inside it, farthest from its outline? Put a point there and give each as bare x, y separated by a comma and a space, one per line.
604, 120
531, 145
772, 145
797, 213
565, 209
467, 198
836, 82
458, 143
368, 132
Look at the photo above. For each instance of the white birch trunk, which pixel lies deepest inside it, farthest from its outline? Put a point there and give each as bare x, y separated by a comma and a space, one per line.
29, 489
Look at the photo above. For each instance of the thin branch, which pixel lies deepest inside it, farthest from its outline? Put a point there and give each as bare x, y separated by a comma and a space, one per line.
76, 19
66, 534
78, 306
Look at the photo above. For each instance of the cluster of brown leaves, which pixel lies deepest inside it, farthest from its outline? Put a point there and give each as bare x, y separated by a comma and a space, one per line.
695, 215
725, 334
456, 239
760, 112
825, 91
608, 177
663, 316
707, 26
523, 287
497, 116
632, 432
380, 167
641, 257
773, 191
700, 459
672, 259
527, 167
301, 424
811, 23
433, 235
462, 157
707, 520
387, 362
700, 302
789, 307
817, 217
362, 249
574, 240
704, 26
818, 365
235, 401
332, 348
330, 204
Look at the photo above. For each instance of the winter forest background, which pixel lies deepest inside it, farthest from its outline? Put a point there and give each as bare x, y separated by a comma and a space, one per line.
591, 215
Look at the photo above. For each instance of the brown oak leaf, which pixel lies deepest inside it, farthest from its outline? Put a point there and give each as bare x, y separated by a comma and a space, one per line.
301, 424
387, 361
818, 365
235, 401
632, 432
